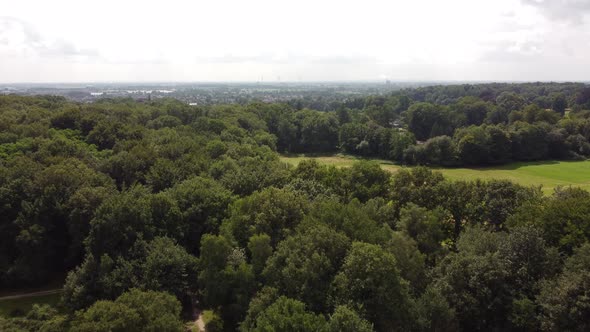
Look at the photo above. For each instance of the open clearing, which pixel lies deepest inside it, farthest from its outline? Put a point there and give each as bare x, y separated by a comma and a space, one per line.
549, 174
21, 300
23, 303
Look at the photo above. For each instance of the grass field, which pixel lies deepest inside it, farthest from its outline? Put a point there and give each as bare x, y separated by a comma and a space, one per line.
23, 305
548, 174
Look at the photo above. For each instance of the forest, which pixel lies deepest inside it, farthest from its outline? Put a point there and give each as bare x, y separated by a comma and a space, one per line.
153, 209
454, 125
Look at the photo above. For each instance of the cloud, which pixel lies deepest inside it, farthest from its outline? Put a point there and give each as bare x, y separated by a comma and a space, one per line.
8, 23
232, 59
343, 60
509, 24
573, 11
278, 59
20, 38
514, 52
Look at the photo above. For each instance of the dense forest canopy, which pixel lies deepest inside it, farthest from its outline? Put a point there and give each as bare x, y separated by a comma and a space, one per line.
154, 207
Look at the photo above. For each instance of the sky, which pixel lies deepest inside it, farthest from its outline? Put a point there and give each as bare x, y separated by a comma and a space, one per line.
287, 40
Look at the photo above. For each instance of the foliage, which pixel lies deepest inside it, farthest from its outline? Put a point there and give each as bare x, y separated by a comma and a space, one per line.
155, 207
286, 314
132, 311
302, 263
369, 279
347, 320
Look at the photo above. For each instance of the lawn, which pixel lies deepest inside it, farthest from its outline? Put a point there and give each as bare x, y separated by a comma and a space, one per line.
548, 174
338, 160
23, 305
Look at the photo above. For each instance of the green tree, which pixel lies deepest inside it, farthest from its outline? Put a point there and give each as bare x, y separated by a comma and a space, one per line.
475, 281
345, 319
366, 180
43, 224
202, 203
351, 135
107, 316
400, 141
472, 145
303, 264
120, 221
559, 103
499, 145
510, 101
410, 261
563, 218
132, 311
529, 141
426, 227
419, 185
263, 299
422, 118
433, 312
564, 301
226, 281
168, 267
260, 249
288, 315
274, 212
349, 219
369, 279
316, 131
473, 109
159, 265
439, 150
528, 258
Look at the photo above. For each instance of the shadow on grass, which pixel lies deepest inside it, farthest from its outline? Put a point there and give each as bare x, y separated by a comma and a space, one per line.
350, 157
520, 164
507, 167
311, 155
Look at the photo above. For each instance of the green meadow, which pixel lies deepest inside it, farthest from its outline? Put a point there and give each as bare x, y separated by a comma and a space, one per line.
22, 305
548, 174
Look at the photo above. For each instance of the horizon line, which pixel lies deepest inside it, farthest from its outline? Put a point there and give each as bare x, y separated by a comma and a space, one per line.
382, 81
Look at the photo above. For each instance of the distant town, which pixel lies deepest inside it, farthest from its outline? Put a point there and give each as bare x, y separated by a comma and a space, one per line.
210, 93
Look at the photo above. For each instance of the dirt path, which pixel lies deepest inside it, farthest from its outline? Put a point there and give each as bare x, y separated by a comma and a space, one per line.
200, 323
20, 296
197, 318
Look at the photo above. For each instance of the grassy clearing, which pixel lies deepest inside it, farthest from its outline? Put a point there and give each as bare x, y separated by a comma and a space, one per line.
338, 160
23, 305
55, 283
548, 174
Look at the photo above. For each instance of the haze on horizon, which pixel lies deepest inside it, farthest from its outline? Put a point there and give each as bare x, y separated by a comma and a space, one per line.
178, 40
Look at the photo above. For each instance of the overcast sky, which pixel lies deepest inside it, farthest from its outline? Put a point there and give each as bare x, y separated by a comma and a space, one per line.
303, 40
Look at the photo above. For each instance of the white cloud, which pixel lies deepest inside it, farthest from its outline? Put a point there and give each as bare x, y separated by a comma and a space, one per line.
573, 11
19, 38
199, 40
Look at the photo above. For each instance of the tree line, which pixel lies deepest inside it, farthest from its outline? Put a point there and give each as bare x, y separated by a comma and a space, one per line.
446, 125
